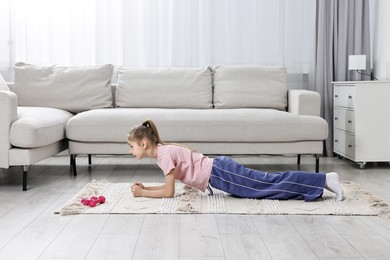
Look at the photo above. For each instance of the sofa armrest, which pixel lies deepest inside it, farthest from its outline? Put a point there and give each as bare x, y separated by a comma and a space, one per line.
8, 114
304, 102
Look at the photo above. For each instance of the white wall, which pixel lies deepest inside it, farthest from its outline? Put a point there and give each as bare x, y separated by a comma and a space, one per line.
381, 39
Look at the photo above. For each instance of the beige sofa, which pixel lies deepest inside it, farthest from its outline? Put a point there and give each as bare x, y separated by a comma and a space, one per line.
216, 110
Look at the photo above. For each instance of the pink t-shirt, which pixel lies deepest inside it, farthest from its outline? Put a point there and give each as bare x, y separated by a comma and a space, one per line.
190, 167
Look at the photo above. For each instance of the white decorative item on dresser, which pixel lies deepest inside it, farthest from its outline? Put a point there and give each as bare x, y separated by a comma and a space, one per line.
361, 121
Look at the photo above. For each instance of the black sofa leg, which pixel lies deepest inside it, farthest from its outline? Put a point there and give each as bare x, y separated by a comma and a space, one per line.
317, 162
317, 156
89, 159
25, 170
73, 164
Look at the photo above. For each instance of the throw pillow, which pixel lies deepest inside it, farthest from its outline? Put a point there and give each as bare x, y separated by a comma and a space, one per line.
246, 86
75, 89
164, 87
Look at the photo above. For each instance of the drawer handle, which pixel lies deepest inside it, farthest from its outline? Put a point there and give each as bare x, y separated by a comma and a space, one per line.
336, 141
350, 146
350, 97
349, 121
336, 118
336, 96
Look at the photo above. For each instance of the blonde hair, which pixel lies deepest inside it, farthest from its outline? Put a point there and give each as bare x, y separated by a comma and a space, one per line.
146, 130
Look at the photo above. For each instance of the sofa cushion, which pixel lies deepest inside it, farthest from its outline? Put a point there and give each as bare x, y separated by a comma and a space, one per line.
74, 89
250, 87
164, 87
3, 84
38, 126
198, 125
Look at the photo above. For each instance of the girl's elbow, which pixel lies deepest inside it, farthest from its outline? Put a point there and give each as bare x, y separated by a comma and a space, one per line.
169, 194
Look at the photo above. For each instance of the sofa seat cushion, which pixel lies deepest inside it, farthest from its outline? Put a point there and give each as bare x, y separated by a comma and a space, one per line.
198, 125
38, 126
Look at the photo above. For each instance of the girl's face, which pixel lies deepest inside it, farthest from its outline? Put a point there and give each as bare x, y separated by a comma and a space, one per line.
137, 149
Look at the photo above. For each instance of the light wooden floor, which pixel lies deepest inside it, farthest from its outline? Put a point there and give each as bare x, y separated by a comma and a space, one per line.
30, 230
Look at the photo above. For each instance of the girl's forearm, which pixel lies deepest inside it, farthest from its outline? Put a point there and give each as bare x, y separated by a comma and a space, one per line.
166, 190
157, 193
160, 187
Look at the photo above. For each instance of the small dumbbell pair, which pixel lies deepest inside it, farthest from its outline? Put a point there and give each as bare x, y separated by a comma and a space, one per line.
93, 201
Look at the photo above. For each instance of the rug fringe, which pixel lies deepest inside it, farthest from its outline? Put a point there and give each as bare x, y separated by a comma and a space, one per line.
189, 200
74, 205
373, 200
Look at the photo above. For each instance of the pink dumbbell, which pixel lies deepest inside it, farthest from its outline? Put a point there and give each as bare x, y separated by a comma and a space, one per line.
93, 201
85, 202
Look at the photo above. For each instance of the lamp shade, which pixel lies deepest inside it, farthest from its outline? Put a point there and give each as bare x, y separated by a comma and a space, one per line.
357, 62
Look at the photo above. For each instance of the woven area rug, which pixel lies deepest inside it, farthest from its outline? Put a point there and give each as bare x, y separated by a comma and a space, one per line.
119, 200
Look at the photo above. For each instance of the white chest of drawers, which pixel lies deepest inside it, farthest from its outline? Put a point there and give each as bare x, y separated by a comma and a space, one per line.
361, 121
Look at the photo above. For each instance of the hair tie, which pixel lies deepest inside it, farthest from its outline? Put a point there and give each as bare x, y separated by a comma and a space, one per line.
145, 124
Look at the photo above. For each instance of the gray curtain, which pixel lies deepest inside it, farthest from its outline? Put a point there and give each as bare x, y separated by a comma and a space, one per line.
342, 29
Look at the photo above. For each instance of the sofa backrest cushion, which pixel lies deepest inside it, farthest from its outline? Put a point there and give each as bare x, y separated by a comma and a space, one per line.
3, 84
164, 87
74, 89
245, 86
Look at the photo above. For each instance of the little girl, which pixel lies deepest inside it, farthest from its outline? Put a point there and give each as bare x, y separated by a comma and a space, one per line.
201, 172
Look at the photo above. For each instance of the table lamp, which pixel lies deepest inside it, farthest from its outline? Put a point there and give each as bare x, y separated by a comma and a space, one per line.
358, 63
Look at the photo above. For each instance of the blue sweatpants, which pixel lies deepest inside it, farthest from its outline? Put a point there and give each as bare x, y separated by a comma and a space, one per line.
237, 180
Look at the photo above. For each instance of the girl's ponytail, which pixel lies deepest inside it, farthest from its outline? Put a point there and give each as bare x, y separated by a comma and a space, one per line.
150, 124
149, 130
146, 130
